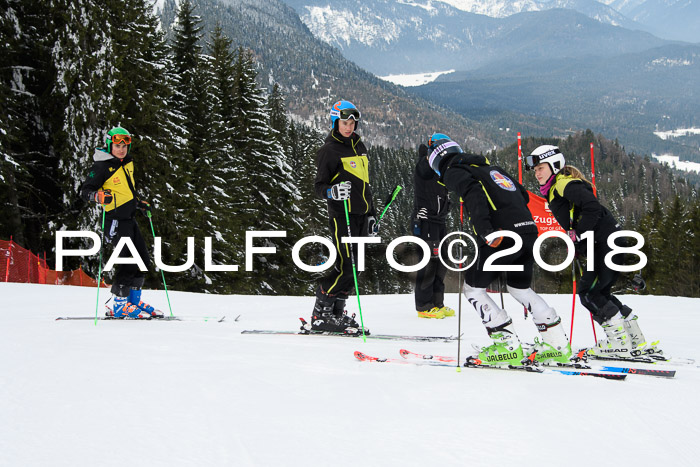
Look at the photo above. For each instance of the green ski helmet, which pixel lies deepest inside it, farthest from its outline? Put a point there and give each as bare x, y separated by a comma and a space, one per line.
118, 135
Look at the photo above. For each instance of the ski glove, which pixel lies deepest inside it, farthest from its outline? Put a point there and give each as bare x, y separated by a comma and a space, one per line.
340, 191
102, 197
422, 214
573, 236
422, 151
372, 226
495, 242
144, 207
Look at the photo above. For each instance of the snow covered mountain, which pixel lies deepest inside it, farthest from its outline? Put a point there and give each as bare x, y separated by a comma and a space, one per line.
409, 36
670, 19
503, 8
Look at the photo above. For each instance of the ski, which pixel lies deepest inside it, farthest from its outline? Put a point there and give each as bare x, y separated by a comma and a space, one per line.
164, 318
472, 363
393, 337
533, 368
652, 359
368, 358
420, 356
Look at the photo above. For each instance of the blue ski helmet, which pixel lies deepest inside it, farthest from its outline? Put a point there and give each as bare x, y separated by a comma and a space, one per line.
118, 135
440, 145
344, 110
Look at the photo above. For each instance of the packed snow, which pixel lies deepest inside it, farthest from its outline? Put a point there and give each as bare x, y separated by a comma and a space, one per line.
415, 79
198, 392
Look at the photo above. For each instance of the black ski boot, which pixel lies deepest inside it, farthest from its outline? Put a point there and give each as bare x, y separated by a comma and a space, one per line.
324, 318
342, 315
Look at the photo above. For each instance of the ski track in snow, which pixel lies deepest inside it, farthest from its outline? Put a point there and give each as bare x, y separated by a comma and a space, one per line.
200, 393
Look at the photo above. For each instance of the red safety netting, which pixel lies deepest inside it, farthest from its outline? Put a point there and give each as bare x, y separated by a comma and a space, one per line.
18, 264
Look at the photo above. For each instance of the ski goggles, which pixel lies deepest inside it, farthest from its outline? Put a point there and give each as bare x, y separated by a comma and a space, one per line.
121, 139
346, 114
532, 161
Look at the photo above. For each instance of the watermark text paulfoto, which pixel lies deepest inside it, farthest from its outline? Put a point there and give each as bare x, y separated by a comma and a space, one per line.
456, 241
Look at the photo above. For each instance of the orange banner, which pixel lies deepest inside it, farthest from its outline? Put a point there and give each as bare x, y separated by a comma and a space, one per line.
539, 207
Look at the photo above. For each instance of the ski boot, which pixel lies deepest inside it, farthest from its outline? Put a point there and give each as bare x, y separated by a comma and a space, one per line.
618, 343
553, 346
434, 312
324, 318
135, 298
447, 311
506, 349
639, 343
124, 309
342, 315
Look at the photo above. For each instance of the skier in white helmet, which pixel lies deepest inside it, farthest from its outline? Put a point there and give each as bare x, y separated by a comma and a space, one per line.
577, 210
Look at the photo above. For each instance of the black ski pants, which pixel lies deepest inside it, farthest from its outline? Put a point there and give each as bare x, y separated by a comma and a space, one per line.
339, 281
430, 281
127, 276
595, 286
477, 277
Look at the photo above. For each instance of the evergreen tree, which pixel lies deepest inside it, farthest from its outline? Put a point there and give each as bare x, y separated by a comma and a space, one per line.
191, 74
225, 170
270, 203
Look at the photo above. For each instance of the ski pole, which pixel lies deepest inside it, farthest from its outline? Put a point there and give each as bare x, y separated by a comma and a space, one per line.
500, 290
162, 274
573, 302
580, 271
354, 270
99, 271
459, 287
390, 200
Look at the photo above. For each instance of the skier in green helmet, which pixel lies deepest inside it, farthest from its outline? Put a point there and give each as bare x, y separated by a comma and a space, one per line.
110, 182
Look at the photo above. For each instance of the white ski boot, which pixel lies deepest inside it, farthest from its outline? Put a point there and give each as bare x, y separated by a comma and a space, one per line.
618, 343
639, 343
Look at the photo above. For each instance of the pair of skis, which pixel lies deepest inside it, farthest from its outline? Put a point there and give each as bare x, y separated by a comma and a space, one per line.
218, 319
574, 369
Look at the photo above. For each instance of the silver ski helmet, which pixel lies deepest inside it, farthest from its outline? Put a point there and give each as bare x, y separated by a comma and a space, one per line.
546, 153
440, 145
344, 110
118, 135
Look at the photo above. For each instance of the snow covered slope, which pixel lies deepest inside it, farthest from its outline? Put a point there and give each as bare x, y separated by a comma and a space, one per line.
199, 393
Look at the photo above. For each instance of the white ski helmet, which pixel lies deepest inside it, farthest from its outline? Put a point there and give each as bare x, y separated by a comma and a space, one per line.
546, 153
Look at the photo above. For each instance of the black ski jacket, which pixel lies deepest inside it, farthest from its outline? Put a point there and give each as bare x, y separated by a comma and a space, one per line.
339, 160
117, 175
567, 193
492, 198
430, 193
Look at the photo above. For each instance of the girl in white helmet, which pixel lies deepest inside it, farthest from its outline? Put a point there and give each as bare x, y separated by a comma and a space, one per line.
576, 208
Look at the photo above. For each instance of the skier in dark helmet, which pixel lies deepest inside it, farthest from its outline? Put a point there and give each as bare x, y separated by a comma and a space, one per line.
110, 183
577, 210
342, 176
495, 202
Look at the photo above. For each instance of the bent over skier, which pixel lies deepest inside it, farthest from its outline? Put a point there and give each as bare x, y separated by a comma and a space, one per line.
342, 176
110, 183
495, 202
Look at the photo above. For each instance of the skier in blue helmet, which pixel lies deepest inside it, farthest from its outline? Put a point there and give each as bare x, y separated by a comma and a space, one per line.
431, 205
494, 201
342, 176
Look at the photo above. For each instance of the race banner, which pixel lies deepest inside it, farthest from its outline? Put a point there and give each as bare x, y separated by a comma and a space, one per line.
539, 207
